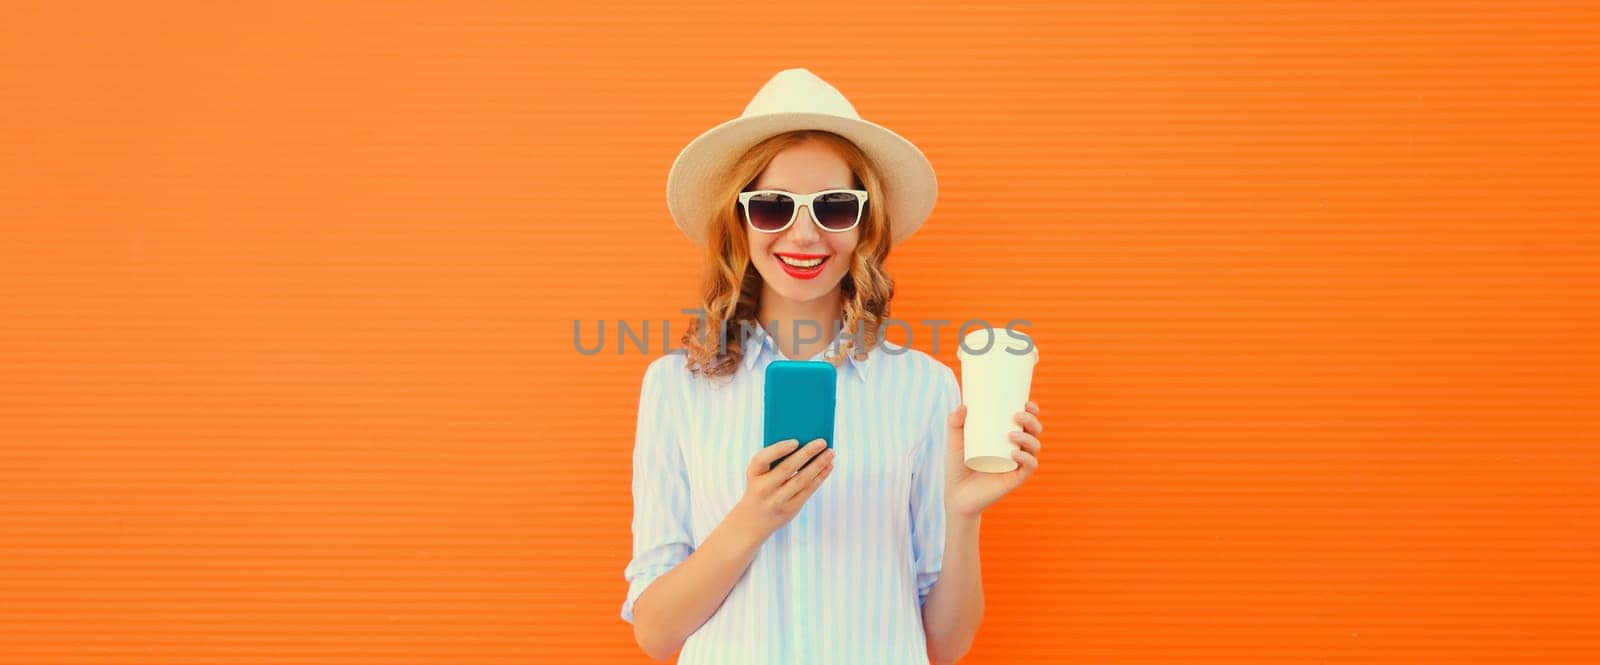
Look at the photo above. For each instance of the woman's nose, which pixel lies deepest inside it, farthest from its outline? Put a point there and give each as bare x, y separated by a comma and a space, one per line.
805, 226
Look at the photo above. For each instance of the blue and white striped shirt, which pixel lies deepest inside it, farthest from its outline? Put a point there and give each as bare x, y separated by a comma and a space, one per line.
845, 580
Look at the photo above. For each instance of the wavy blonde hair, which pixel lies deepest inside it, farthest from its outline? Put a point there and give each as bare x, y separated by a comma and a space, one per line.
731, 290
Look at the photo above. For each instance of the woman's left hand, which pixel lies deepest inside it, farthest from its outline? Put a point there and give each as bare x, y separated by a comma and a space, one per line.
969, 492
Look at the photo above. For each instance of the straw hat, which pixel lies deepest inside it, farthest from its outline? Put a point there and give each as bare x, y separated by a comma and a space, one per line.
797, 99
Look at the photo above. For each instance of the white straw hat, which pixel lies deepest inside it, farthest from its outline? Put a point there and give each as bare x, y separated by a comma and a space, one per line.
797, 99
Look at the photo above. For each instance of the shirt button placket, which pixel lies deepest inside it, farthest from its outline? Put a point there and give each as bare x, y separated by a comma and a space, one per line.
803, 624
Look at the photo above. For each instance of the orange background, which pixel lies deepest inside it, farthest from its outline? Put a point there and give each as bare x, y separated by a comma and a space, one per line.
289, 289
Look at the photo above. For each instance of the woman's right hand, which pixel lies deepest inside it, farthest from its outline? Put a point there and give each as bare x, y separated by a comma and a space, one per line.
774, 495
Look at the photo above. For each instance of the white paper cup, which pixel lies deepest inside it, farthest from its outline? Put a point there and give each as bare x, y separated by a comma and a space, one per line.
995, 381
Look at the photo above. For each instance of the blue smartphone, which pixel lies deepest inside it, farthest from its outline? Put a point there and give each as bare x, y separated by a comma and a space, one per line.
798, 403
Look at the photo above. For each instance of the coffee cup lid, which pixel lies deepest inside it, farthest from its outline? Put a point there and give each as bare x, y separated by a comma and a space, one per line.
1002, 340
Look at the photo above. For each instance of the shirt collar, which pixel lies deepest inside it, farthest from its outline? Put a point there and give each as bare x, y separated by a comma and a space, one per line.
760, 341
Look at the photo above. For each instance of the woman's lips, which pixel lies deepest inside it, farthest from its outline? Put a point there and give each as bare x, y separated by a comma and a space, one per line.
803, 273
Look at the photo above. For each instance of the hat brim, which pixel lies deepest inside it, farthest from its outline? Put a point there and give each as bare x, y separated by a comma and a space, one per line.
909, 183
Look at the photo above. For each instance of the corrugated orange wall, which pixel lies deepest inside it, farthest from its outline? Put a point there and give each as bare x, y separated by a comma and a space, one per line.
288, 291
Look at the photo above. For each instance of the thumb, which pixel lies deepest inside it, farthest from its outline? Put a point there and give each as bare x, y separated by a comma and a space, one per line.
956, 423
957, 419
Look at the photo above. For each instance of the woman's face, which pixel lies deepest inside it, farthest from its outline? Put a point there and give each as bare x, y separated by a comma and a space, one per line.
804, 168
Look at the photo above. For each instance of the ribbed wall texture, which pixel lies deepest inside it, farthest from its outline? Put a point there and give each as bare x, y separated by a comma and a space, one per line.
287, 371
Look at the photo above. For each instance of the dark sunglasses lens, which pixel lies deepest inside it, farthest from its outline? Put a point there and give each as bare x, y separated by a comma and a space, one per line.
769, 212
837, 211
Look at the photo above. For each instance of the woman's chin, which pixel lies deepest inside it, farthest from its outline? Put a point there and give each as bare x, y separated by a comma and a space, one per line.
798, 290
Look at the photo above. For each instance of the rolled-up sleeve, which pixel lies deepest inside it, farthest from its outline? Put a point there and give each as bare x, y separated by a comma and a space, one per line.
661, 531
927, 484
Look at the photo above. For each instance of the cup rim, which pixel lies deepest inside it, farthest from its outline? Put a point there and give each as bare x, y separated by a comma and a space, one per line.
961, 347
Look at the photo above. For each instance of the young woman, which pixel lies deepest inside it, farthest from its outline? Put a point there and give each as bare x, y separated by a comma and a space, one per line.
865, 553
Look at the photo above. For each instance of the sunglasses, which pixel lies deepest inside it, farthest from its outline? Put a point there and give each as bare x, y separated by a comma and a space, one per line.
773, 210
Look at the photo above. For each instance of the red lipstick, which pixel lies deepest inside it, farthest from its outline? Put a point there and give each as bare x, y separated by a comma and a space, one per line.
803, 273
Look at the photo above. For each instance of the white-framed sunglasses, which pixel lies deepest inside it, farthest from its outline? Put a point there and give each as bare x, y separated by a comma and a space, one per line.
774, 210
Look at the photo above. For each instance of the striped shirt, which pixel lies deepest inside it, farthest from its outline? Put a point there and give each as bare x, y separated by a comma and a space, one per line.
845, 580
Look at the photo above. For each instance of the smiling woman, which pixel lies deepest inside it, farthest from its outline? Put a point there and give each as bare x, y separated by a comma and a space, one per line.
740, 560
773, 211
768, 241
800, 279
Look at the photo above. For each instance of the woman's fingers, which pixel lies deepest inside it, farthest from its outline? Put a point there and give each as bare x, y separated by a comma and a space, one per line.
1029, 442
1029, 462
764, 458
792, 465
1029, 422
807, 481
